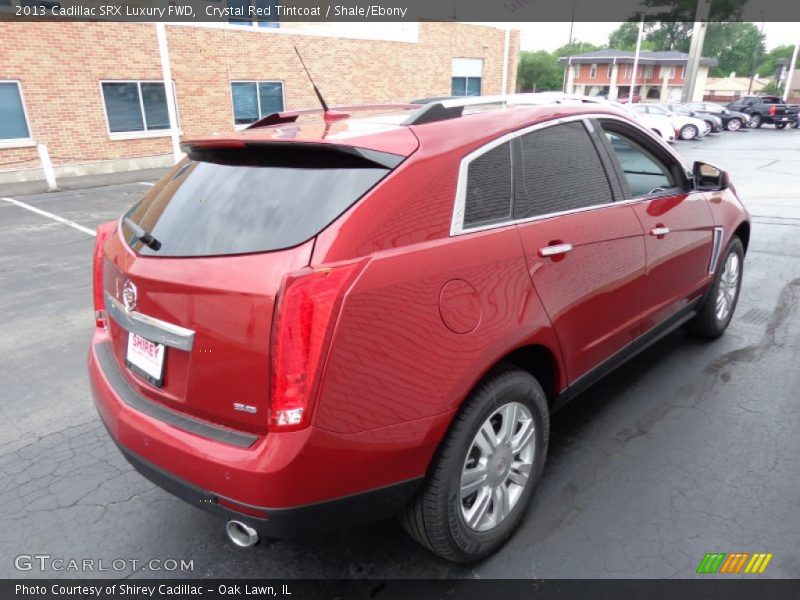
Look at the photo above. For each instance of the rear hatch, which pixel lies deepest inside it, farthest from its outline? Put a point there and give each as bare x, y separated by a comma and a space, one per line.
191, 313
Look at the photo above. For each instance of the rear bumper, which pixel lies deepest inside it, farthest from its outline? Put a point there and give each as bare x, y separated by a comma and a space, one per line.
304, 481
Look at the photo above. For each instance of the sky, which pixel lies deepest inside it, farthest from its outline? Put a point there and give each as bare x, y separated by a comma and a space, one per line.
549, 36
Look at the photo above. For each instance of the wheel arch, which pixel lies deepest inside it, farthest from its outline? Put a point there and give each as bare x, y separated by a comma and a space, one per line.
743, 233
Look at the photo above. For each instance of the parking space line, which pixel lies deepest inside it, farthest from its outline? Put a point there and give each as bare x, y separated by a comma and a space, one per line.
49, 215
146, 183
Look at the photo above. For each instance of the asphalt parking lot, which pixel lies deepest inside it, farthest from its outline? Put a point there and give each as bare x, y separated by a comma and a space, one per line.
690, 448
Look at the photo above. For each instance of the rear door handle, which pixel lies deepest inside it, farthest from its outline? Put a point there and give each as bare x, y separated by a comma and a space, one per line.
555, 250
659, 231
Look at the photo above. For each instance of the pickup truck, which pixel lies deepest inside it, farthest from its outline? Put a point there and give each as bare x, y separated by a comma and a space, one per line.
766, 109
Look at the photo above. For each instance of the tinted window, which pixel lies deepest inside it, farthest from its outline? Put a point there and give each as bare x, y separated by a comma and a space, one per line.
13, 124
238, 201
560, 170
643, 171
489, 187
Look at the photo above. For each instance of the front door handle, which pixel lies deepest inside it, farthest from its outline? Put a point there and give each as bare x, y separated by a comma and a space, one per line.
555, 250
659, 231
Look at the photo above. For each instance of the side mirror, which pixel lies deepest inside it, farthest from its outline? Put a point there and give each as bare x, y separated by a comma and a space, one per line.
708, 177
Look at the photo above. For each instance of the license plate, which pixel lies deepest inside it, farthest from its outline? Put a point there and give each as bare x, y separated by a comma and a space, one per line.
146, 359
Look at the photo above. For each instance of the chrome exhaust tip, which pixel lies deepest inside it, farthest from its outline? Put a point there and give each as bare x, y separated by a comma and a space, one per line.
241, 534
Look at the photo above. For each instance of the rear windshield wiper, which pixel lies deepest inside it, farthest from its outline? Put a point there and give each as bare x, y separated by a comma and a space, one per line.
142, 235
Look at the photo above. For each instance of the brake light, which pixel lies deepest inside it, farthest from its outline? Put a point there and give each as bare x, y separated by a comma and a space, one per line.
773, 109
104, 232
307, 308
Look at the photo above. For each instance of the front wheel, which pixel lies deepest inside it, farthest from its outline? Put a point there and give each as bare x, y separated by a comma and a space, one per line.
716, 311
689, 132
734, 125
482, 478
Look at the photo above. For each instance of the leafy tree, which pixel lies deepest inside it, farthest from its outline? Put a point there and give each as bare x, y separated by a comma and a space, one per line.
769, 62
739, 48
576, 47
539, 71
624, 37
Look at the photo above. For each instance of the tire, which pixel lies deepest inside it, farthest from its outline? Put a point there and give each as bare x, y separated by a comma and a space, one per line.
756, 121
438, 515
689, 132
709, 322
780, 125
734, 125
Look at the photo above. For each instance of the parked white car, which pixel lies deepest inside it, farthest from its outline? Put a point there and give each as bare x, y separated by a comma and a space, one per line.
686, 128
661, 125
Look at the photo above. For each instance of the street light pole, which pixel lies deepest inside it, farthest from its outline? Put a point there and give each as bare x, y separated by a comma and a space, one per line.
636, 60
791, 72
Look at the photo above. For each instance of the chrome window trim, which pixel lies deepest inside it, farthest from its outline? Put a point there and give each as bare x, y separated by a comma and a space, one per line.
459, 206
149, 328
716, 247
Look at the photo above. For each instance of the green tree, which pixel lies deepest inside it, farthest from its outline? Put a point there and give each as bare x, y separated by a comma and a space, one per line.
769, 62
738, 47
624, 37
576, 47
539, 71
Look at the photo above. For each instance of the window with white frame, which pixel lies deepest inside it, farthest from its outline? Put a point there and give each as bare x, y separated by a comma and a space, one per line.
669, 71
135, 106
592, 71
610, 69
683, 72
648, 71
627, 72
576, 70
13, 118
467, 75
253, 100
244, 10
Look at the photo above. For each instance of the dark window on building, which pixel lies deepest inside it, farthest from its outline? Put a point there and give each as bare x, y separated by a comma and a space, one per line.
253, 100
13, 123
466, 86
560, 170
489, 187
133, 106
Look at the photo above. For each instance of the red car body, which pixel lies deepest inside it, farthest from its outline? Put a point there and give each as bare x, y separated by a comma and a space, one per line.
407, 315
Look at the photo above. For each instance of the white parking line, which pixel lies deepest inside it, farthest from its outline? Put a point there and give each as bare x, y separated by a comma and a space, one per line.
49, 215
146, 183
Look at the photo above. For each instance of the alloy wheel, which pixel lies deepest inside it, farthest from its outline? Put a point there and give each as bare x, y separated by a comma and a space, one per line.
497, 467
734, 125
728, 287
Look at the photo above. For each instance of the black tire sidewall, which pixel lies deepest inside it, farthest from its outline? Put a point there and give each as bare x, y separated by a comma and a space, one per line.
513, 386
734, 246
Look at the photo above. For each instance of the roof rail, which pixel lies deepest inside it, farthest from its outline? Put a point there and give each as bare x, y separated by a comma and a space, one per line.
443, 110
290, 116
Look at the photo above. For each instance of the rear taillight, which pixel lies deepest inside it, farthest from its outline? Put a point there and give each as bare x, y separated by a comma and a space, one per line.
306, 310
104, 232
773, 109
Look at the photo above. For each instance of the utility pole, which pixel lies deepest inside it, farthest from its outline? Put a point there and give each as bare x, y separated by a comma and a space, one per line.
569, 49
792, 65
636, 61
695, 49
755, 59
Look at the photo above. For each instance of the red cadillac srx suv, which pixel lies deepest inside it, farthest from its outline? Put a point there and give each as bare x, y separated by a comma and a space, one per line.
336, 317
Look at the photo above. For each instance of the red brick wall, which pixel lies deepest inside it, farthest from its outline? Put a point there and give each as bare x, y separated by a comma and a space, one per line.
60, 66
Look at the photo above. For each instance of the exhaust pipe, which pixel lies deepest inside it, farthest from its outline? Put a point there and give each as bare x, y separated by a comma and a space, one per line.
241, 534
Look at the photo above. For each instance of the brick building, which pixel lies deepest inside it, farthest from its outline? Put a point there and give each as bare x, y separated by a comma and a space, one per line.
94, 92
660, 75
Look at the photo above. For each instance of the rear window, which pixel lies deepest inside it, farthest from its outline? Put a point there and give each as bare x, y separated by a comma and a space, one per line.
245, 200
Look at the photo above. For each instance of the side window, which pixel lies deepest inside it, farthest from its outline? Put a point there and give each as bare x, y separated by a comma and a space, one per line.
488, 197
560, 170
645, 173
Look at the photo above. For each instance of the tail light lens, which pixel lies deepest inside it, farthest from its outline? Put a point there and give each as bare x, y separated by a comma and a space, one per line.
307, 308
104, 232
773, 109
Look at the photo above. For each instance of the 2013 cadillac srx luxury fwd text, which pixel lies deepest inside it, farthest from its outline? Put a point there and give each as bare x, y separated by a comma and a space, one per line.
335, 317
